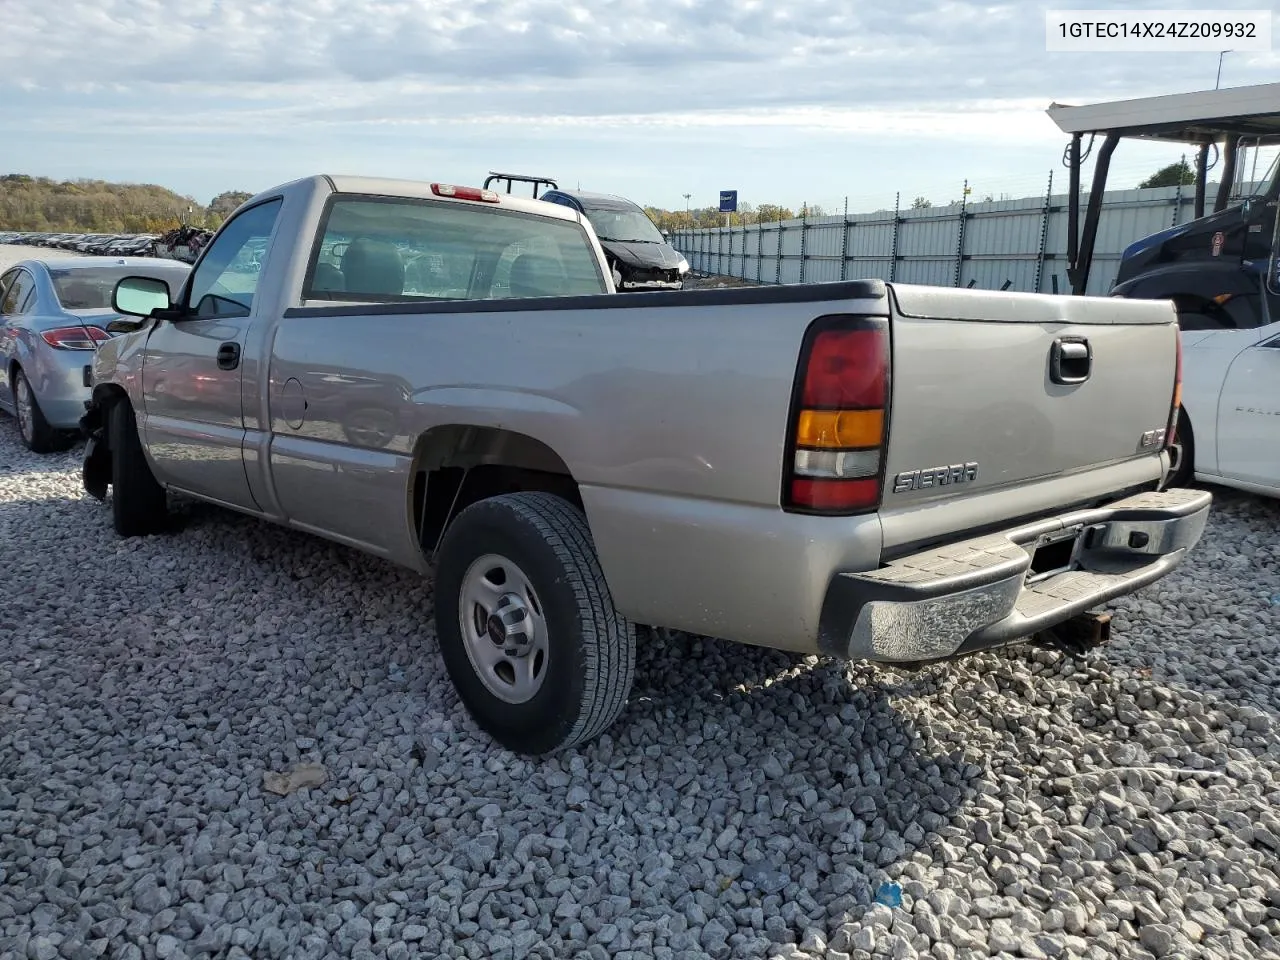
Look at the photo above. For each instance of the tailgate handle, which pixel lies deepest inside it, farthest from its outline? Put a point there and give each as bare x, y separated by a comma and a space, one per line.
1070, 360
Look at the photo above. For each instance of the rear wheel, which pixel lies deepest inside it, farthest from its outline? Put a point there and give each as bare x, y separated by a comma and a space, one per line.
527, 629
1183, 470
139, 504
34, 429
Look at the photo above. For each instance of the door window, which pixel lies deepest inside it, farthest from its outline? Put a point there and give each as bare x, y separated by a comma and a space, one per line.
19, 294
226, 281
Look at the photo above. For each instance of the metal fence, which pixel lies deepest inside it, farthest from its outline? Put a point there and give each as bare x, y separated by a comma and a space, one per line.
1001, 245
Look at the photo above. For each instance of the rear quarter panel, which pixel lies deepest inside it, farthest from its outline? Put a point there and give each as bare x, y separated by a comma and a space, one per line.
671, 412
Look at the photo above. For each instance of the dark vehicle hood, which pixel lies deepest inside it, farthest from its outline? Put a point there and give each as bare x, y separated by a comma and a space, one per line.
1190, 240
661, 255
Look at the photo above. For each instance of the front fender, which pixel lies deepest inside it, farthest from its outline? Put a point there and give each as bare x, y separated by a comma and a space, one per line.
1192, 280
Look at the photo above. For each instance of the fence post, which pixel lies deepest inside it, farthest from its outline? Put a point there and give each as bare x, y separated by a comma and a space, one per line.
844, 242
964, 199
893, 247
804, 229
1044, 231
777, 270
759, 243
1177, 197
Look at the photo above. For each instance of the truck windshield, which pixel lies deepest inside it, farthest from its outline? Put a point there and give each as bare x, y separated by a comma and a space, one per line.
1267, 185
387, 250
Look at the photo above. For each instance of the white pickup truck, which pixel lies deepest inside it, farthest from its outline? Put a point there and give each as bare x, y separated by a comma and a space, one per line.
439, 376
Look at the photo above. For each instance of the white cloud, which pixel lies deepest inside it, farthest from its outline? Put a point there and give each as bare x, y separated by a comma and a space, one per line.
889, 78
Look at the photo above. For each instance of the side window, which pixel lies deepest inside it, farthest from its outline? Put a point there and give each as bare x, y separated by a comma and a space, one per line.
19, 295
226, 280
6, 279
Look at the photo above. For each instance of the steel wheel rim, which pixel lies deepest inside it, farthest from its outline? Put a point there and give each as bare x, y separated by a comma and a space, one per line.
26, 419
504, 629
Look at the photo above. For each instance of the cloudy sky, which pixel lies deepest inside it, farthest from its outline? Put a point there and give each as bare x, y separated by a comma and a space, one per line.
807, 100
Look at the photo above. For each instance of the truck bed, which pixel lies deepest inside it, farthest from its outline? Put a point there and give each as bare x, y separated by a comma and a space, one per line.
671, 412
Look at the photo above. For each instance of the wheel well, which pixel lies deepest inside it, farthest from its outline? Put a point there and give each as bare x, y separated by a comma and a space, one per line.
109, 393
458, 465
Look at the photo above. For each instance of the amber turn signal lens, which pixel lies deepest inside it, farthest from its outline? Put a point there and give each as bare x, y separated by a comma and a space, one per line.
842, 429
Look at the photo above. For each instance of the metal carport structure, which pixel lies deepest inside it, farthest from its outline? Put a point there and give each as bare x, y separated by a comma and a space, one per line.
1222, 118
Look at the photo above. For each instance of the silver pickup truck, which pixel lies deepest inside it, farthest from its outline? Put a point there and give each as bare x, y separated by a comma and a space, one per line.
440, 376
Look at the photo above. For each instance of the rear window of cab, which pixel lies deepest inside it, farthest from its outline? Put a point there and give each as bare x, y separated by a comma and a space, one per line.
397, 250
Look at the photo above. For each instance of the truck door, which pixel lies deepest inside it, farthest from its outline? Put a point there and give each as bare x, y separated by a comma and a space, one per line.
193, 370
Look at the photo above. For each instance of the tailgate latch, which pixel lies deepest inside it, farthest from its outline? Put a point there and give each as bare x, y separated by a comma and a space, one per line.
1070, 360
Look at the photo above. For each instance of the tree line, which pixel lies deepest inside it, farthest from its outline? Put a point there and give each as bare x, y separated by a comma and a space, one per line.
698, 218
97, 206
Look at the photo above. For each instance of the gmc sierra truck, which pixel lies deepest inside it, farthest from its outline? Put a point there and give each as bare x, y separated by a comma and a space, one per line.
441, 376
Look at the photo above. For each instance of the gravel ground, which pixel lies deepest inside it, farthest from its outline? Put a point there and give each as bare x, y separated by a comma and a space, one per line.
11, 253
1024, 803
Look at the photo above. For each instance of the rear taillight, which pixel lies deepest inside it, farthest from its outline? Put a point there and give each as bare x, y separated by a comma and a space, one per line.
75, 338
839, 418
1171, 431
464, 193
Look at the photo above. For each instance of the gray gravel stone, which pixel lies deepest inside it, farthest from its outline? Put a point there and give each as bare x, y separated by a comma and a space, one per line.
1120, 805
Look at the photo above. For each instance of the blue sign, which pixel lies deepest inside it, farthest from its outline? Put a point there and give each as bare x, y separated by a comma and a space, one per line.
728, 201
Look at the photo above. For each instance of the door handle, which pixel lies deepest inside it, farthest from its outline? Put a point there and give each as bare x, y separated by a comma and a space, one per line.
1070, 360
228, 356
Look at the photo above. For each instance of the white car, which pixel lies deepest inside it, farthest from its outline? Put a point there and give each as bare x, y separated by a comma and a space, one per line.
1229, 429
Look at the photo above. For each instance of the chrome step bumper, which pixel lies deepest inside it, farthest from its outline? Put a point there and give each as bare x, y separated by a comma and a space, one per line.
982, 593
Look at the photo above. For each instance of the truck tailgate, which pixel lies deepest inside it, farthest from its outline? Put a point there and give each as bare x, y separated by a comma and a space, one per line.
995, 390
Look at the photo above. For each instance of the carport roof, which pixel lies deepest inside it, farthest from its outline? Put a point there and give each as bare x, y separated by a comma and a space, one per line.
1199, 117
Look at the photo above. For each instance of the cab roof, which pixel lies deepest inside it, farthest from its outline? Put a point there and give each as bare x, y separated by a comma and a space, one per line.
421, 190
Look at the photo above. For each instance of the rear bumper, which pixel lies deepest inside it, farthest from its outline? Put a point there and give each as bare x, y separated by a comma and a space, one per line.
981, 593
58, 379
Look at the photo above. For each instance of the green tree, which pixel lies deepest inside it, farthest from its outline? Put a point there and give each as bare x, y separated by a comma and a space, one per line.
1170, 176
920, 203
771, 212
225, 203
41, 203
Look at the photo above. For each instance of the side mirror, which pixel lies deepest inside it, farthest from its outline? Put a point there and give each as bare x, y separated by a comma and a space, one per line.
139, 296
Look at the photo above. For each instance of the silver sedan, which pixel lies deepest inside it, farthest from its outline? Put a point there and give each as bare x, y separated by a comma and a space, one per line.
53, 315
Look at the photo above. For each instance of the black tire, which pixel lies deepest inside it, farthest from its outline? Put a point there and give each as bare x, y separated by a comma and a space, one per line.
37, 436
139, 505
1184, 468
590, 649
